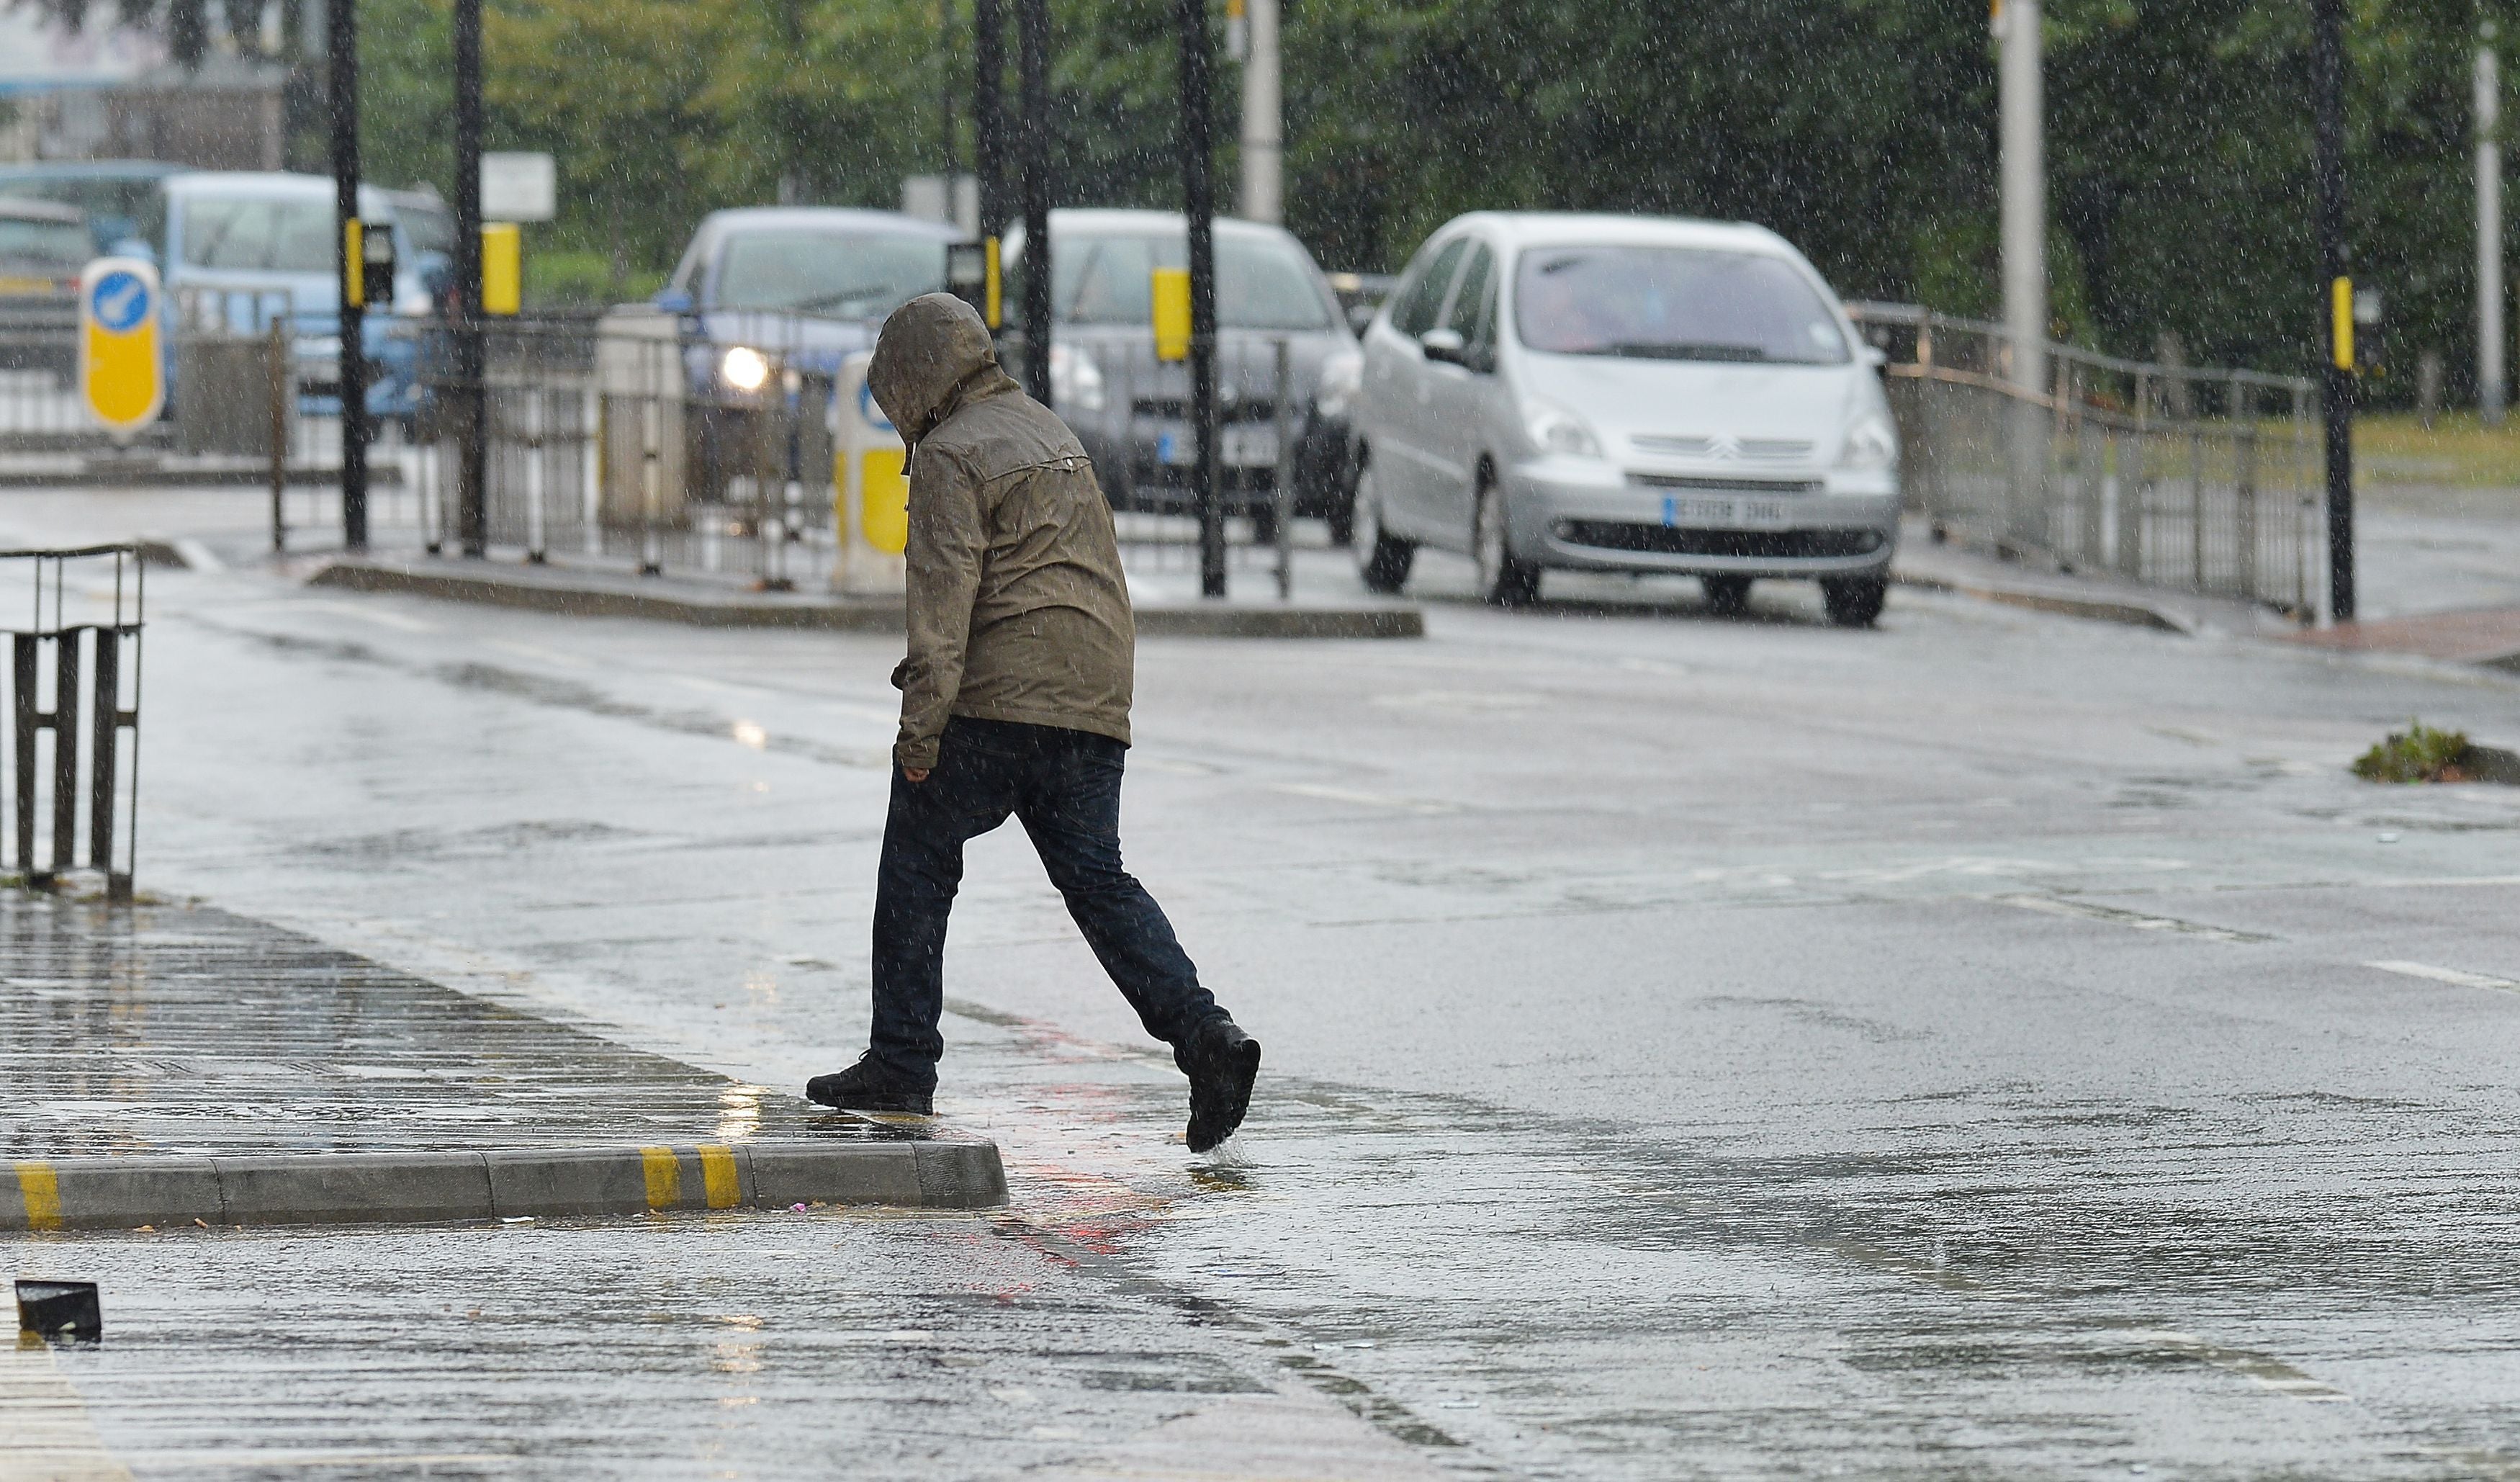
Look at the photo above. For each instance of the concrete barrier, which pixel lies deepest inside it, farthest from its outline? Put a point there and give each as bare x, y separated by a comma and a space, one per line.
414, 1188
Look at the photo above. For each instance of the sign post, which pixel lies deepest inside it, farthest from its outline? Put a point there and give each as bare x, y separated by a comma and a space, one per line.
122, 369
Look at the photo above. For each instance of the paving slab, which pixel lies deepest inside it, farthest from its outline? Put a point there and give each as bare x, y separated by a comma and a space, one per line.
2487, 636
181, 1063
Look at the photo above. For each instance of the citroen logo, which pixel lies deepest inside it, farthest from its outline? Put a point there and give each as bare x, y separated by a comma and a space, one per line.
1724, 448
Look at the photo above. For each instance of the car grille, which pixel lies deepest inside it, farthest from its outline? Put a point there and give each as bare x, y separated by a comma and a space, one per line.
1748, 449
1765, 544
1737, 483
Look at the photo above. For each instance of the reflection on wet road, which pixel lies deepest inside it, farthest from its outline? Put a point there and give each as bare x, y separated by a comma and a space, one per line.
1694, 1049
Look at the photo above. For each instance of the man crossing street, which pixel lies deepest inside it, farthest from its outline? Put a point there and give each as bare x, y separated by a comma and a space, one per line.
1015, 703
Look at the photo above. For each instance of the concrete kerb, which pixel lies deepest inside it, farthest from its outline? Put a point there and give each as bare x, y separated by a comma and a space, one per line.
415, 1187
595, 594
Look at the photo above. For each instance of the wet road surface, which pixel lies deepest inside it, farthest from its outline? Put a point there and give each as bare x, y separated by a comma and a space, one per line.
1995, 1046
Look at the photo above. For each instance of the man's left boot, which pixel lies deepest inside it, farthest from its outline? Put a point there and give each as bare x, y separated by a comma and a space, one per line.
869, 1086
1222, 1062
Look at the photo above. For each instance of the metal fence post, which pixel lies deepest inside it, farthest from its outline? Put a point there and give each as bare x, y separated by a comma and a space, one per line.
1282, 490
276, 348
535, 452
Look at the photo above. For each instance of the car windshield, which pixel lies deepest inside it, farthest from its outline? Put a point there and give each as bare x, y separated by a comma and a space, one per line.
259, 236
1261, 283
431, 229
1671, 303
116, 208
845, 276
58, 244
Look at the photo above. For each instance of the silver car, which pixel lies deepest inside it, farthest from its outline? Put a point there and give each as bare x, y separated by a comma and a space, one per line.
1620, 393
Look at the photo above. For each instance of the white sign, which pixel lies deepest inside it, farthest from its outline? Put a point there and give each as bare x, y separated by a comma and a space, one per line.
519, 187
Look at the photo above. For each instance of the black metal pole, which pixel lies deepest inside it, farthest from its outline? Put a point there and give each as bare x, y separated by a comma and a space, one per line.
1198, 204
472, 415
342, 99
2328, 82
1032, 34
988, 116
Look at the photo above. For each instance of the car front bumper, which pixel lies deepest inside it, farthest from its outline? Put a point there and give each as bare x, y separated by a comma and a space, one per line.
1576, 514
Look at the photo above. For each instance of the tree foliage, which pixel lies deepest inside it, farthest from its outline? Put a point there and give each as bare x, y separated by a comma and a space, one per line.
2178, 131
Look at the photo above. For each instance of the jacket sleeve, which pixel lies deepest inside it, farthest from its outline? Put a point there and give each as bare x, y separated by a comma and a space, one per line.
947, 536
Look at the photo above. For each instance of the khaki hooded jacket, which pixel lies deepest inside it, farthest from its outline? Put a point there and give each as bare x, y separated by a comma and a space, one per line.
1018, 611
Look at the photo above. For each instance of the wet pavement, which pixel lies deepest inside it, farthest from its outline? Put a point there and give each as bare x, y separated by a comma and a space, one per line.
1998, 1045
186, 1029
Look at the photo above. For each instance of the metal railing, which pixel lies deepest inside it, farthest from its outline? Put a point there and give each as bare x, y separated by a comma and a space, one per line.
72, 699
2200, 479
622, 444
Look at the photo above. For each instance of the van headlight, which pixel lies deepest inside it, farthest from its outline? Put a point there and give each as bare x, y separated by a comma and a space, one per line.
1342, 377
1555, 429
1872, 443
745, 368
1075, 381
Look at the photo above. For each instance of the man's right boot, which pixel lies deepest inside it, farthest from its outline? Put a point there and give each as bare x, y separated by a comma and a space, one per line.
869, 1086
1222, 1062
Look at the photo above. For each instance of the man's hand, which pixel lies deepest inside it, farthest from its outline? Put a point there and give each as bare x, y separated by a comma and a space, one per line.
914, 774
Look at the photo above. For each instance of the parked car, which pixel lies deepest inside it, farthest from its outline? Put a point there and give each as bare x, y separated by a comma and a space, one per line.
1617, 393
1132, 412
43, 245
124, 200
239, 242
799, 287
424, 221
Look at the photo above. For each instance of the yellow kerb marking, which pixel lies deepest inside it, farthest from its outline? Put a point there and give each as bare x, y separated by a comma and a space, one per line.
41, 1193
717, 1176
664, 1177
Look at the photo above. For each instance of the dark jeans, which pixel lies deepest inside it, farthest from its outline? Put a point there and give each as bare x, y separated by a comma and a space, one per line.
1065, 786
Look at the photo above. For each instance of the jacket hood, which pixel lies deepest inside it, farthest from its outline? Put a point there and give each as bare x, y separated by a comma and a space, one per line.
928, 348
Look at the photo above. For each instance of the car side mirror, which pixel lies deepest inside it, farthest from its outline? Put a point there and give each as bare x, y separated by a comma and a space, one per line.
673, 301
1445, 345
1876, 356
1360, 316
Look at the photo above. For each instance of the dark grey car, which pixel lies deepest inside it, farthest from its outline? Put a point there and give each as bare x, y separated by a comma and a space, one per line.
1132, 410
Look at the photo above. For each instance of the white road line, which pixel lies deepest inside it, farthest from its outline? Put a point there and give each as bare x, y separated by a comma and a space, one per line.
1366, 799
2262, 1370
50, 1436
2141, 921
2447, 975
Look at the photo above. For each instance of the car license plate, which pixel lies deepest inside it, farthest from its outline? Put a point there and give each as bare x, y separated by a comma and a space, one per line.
1724, 511
1236, 447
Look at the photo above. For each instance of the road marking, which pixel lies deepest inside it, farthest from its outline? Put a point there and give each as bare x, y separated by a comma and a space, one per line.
381, 616
2447, 975
2085, 910
50, 1436
717, 1176
664, 1177
2256, 1367
1366, 799
41, 1192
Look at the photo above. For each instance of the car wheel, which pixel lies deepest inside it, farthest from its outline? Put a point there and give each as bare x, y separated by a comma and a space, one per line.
1727, 596
1383, 558
1853, 601
1264, 525
1505, 579
1341, 517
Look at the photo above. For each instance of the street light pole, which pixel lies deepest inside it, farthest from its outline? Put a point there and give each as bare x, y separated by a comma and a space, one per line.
351, 379
2489, 228
1199, 206
2336, 378
988, 140
2024, 173
471, 420
1032, 40
1264, 197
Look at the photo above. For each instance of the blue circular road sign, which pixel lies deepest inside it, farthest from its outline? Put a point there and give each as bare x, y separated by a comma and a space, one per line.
118, 302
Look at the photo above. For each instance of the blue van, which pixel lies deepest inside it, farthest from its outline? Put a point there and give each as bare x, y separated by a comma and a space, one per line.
238, 241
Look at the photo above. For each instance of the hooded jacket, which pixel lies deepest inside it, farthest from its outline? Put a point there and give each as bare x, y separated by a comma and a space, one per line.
1017, 607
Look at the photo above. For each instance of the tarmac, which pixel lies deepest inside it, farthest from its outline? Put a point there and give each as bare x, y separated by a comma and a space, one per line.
183, 1065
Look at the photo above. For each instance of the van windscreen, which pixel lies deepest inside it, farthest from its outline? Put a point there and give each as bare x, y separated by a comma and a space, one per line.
1671, 303
245, 234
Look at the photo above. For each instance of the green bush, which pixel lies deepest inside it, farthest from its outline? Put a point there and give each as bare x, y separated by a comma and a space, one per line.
2420, 753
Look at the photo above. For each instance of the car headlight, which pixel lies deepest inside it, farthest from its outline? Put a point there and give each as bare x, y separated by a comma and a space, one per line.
1342, 377
745, 368
1555, 429
1075, 381
1872, 443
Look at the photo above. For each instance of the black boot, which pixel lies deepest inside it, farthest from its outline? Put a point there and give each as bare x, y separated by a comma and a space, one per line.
869, 1086
1222, 1062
